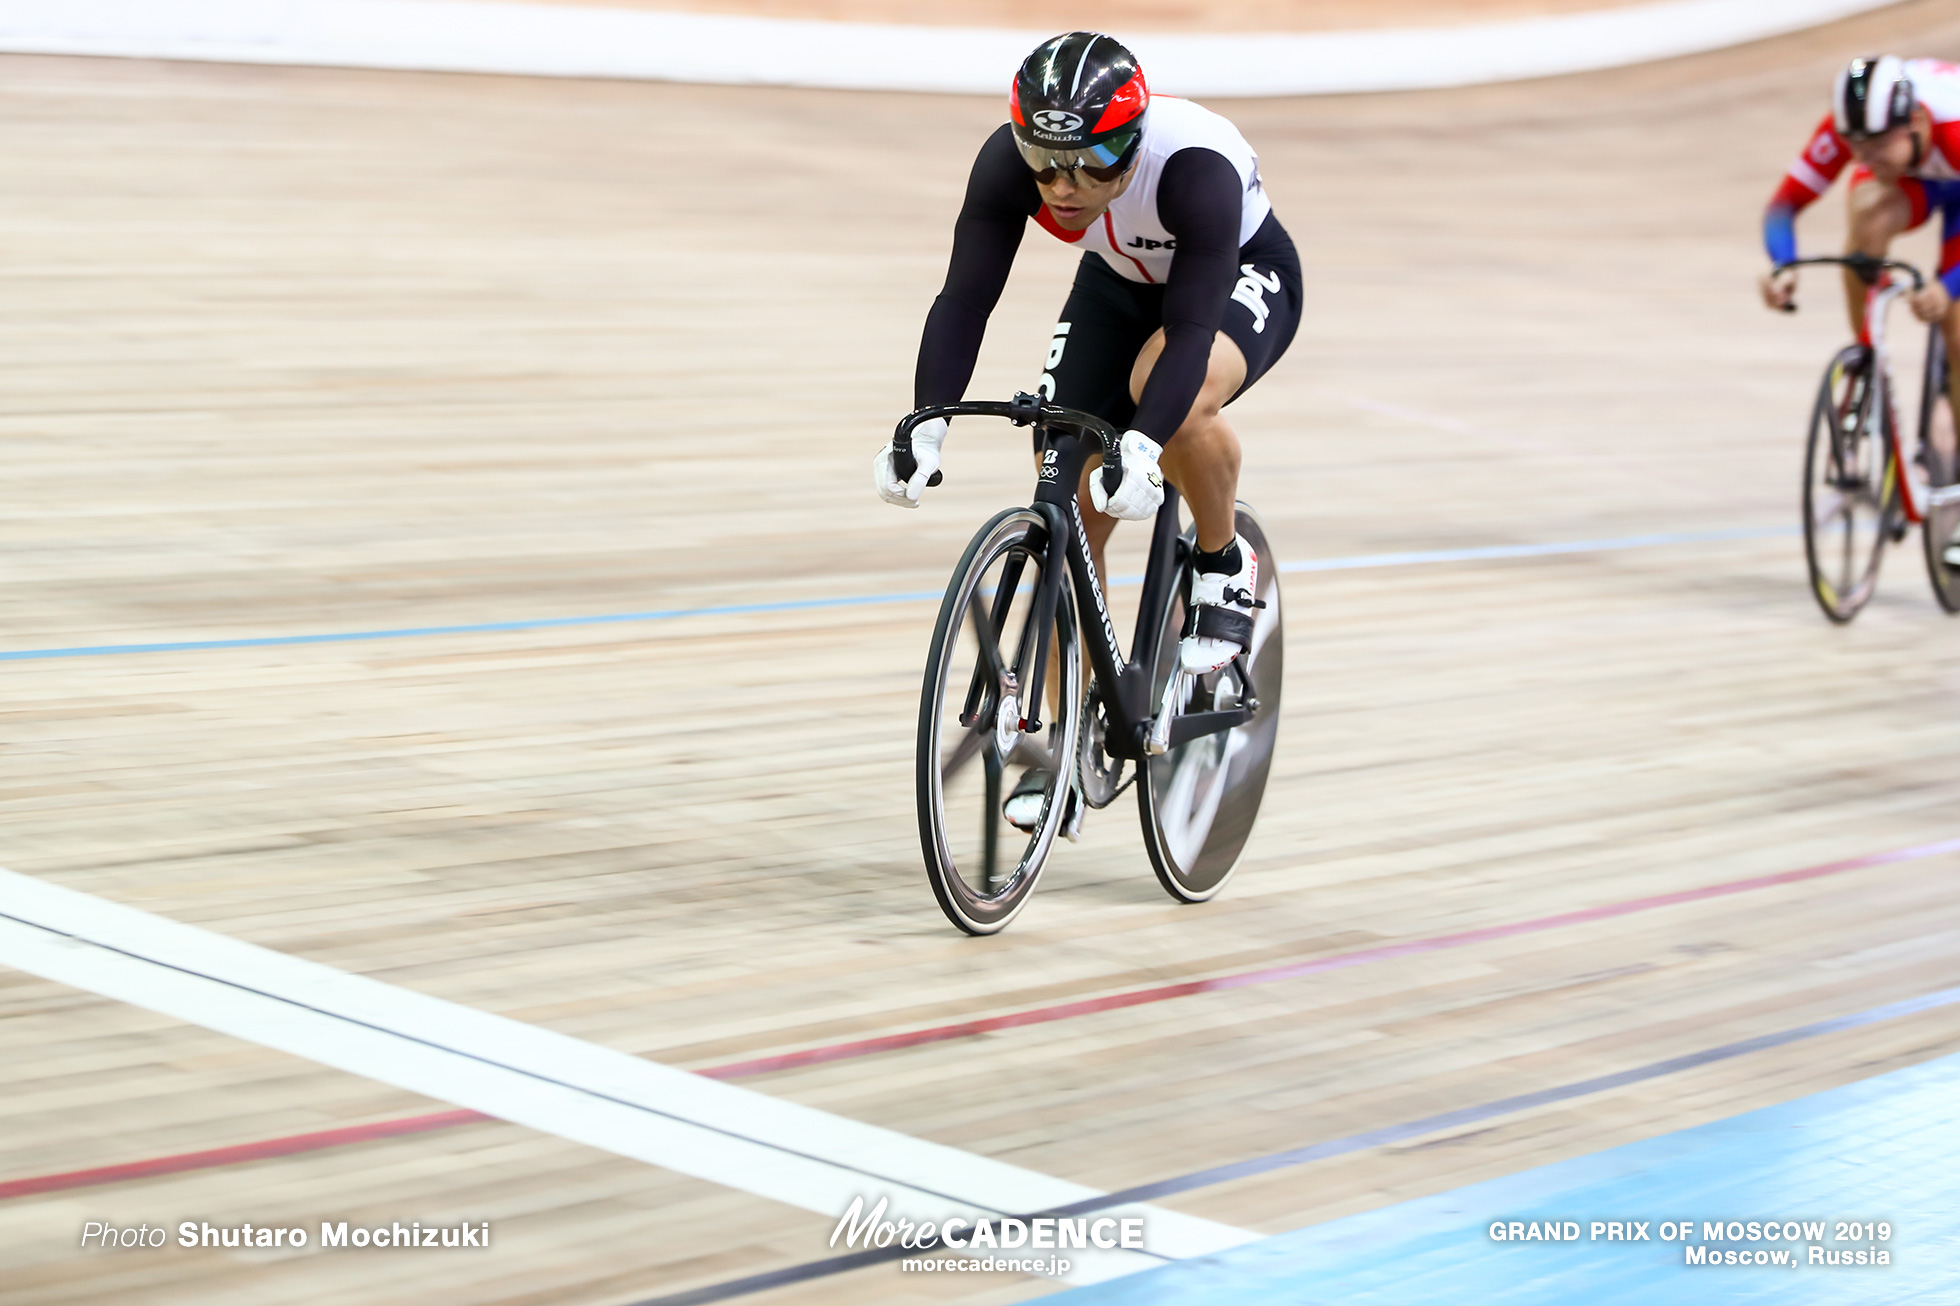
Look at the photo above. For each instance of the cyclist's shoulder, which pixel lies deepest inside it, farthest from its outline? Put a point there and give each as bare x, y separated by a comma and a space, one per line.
1177, 123
999, 178
1928, 70
1936, 84
1177, 126
996, 153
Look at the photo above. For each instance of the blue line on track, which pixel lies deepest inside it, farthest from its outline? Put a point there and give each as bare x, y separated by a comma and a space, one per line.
1881, 1149
1351, 563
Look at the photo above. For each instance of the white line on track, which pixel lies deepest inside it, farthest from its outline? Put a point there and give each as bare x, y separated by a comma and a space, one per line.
530, 1076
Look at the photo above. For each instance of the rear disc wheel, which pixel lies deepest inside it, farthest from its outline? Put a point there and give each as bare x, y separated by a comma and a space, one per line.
1199, 800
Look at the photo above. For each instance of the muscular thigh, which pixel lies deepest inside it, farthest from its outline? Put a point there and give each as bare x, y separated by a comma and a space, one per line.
1260, 321
1225, 372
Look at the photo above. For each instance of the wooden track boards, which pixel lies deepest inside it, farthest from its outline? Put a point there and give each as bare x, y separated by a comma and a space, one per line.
293, 351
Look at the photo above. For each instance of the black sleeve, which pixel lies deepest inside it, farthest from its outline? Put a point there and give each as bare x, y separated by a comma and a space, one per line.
1000, 198
1200, 200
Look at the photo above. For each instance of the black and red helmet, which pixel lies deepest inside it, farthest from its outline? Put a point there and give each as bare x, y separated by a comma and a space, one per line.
1079, 101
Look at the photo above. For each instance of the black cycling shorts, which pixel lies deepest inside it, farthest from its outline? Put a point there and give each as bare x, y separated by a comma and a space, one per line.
1108, 319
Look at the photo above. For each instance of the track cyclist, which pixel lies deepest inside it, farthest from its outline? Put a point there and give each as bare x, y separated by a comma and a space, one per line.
1899, 119
1188, 291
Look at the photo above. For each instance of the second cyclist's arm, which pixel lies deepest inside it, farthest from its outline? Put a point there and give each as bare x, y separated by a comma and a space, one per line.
1200, 200
1000, 198
1809, 177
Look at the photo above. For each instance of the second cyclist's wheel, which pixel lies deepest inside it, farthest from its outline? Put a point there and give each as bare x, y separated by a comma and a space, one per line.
1937, 438
1850, 485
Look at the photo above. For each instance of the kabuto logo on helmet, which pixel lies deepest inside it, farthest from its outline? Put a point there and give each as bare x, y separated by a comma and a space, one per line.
1058, 121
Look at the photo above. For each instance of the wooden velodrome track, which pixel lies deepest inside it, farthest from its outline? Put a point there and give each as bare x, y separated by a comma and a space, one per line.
300, 351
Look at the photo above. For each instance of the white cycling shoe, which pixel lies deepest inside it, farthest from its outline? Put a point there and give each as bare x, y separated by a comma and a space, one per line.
1029, 800
1024, 805
1222, 605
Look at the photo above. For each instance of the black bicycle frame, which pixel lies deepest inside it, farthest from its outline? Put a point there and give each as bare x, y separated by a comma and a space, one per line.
1067, 439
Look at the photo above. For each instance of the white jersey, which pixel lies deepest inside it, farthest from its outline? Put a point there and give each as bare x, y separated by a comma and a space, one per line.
1129, 235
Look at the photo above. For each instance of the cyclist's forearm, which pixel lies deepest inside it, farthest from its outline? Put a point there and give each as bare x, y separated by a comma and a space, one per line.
1780, 233
1175, 380
983, 254
948, 349
1000, 194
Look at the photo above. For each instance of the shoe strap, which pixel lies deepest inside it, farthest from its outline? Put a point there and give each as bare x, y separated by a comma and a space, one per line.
1222, 623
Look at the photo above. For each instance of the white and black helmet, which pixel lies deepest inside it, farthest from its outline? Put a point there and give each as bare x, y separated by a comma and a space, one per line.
1872, 96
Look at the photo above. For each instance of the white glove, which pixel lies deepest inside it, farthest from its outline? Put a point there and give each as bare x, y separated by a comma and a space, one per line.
926, 439
1141, 491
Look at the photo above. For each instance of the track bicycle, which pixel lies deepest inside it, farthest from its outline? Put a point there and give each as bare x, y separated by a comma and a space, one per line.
1860, 491
1008, 647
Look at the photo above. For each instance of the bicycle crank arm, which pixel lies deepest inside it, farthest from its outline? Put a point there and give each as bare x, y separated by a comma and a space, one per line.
1159, 738
1944, 497
1197, 725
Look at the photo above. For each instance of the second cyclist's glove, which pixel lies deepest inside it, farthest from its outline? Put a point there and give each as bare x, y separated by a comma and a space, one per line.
926, 439
1141, 491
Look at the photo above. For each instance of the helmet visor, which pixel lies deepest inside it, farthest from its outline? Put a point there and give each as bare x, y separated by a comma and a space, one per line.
1104, 161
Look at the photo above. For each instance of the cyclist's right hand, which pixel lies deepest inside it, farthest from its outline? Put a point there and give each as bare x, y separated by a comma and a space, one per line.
926, 439
1779, 289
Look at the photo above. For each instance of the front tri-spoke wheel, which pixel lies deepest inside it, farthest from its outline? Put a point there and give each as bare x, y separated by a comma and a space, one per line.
1199, 799
976, 767
1850, 484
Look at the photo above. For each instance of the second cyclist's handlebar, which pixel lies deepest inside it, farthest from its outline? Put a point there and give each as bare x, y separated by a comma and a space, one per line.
1022, 410
1866, 266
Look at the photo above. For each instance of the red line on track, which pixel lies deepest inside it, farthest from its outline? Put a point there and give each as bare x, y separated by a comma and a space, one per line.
217, 1156
293, 1144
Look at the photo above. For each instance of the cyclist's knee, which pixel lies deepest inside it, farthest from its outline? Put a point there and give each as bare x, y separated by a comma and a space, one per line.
1205, 424
1209, 442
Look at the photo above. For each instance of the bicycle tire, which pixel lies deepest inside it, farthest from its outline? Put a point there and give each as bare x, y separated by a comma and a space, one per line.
1200, 800
965, 870
1850, 482
1937, 436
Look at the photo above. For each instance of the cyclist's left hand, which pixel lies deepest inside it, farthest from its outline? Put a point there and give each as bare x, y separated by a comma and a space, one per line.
1779, 289
1931, 304
926, 439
